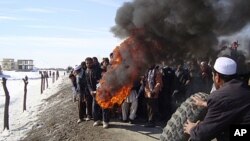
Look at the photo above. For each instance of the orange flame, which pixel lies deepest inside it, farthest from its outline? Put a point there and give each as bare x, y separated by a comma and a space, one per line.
127, 63
117, 60
116, 99
129, 60
104, 97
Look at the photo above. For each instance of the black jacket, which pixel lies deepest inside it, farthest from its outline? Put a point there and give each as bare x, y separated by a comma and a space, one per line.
82, 83
92, 77
228, 105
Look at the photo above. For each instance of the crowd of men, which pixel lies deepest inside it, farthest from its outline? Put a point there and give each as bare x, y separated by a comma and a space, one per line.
85, 78
154, 97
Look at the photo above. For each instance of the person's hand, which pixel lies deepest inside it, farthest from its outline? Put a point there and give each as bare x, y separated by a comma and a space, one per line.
77, 90
188, 126
98, 85
187, 82
93, 93
199, 101
204, 75
152, 94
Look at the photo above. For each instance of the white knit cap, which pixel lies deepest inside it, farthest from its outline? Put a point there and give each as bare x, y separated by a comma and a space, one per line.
226, 66
77, 68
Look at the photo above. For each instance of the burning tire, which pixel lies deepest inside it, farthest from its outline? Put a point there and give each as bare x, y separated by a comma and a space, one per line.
174, 128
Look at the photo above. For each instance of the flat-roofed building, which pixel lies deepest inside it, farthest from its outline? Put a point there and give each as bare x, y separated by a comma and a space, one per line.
1, 70
25, 65
8, 64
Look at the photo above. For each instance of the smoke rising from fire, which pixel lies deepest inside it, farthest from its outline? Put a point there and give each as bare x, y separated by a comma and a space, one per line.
157, 29
192, 24
243, 37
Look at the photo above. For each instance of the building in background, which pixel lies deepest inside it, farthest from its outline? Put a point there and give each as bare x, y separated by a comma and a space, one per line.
8, 64
1, 70
24, 65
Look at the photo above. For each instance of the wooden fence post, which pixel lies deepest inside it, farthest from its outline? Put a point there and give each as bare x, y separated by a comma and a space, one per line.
6, 107
25, 80
57, 74
41, 82
53, 77
46, 79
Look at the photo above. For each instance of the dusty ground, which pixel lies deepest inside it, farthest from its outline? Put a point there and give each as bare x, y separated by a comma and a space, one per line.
57, 122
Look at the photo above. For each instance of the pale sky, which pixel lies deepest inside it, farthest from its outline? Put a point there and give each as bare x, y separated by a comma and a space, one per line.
57, 33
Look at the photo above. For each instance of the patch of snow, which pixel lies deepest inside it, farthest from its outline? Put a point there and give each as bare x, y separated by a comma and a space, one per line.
6, 133
13, 75
21, 122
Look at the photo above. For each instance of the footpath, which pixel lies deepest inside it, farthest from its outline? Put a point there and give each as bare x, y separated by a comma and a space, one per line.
58, 121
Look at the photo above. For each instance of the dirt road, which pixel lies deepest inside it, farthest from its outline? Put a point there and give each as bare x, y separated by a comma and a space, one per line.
58, 121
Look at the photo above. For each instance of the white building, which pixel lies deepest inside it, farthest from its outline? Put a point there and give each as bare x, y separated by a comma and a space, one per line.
24, 65
8, 64
1, 70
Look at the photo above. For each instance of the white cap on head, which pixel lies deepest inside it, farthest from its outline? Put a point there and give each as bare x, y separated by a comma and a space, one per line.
226, 66
77, 68
203, 63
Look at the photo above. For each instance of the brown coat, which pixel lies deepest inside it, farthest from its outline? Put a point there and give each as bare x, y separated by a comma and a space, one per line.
157, 87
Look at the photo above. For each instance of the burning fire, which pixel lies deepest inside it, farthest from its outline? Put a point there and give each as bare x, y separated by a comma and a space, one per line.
108, 102
110, 93
128, 63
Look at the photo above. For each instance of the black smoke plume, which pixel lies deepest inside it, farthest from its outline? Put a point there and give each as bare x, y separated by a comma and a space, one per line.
185, 25
180, 28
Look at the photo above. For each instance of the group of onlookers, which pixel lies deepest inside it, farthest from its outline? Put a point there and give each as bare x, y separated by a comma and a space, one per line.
85, 78
157, 94
154, 97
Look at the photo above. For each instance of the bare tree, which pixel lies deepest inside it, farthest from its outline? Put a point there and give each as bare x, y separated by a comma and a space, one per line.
25, 80
6, 107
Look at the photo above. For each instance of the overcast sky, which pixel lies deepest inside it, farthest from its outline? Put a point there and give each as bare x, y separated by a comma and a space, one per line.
57, 33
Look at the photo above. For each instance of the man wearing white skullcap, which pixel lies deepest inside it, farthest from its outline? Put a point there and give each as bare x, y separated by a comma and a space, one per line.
229, 104
84, 106
77, 68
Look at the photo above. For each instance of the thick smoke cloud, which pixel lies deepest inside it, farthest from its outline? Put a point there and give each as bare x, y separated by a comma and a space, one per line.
243, 37
186, 25
159, 29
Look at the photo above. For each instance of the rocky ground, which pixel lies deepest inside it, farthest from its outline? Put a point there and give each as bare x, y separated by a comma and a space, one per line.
58, 121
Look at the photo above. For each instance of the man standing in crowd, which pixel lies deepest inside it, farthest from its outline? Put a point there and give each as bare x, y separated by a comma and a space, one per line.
132, 99
93, 75
87, 98
181, 82
82, 89
72, 77
97, 65
165, 99
229, 104
206, 77
152, 89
